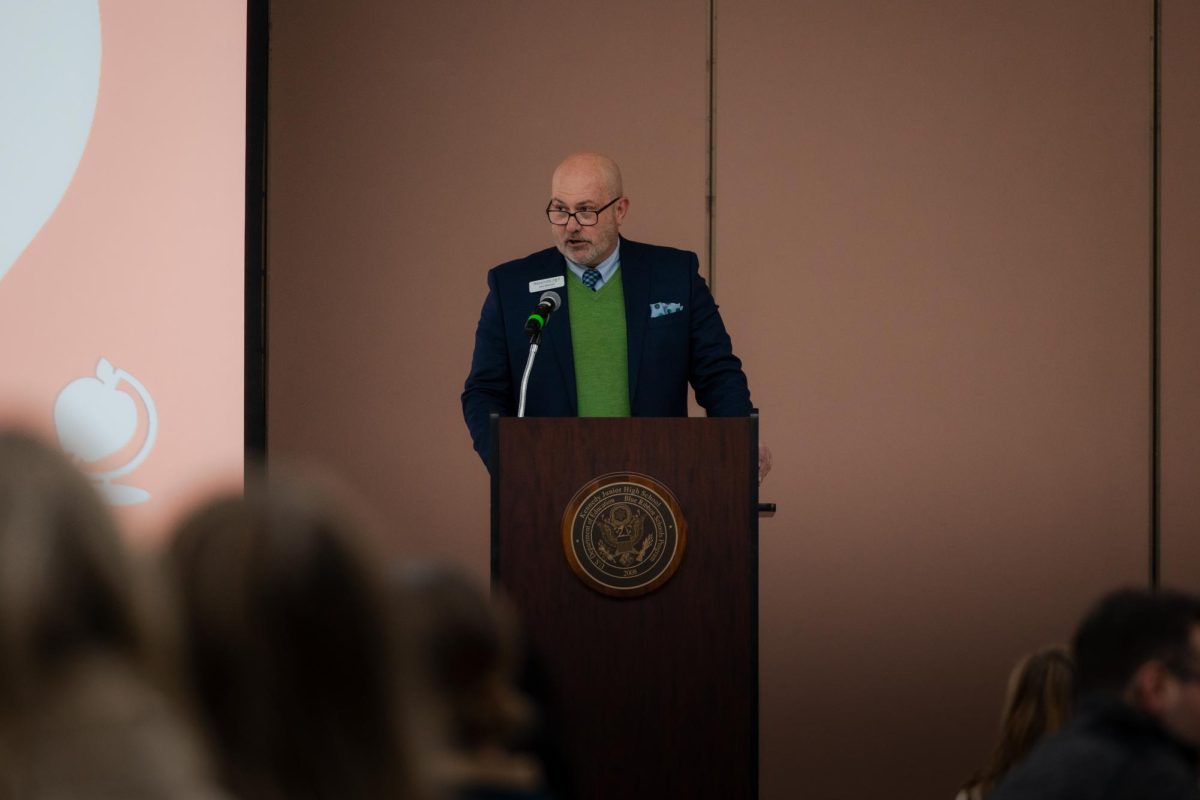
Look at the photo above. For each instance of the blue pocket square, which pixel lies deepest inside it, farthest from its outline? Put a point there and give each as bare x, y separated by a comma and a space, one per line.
662, 309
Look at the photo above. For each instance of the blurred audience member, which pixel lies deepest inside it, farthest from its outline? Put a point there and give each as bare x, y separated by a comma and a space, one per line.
1137, 714
84, 706
1038, 702
292, 648
471, 650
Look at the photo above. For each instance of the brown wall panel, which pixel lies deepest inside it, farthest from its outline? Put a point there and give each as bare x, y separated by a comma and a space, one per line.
932, 250
932, 239
1180, 298
411, 146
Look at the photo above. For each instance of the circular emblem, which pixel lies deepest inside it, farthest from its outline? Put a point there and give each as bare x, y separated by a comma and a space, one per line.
624, 534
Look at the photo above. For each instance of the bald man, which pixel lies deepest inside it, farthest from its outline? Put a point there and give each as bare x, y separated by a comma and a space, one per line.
636, 326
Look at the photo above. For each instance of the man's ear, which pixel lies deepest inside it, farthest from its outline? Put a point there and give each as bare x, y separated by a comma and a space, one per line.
1149, 688
621, 209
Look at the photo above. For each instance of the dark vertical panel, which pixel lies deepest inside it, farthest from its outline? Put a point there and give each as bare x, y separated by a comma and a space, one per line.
1180, 253
933, 252
256, 206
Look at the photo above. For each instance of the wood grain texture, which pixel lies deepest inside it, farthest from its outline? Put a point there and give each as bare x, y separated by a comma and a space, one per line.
659, 691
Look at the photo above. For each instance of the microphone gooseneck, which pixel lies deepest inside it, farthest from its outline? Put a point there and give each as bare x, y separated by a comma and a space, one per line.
548, 303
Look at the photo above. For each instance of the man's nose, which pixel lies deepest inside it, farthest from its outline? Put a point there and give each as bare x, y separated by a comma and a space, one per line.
573, 224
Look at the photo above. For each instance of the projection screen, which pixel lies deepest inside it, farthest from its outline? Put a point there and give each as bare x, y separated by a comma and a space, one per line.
122, 231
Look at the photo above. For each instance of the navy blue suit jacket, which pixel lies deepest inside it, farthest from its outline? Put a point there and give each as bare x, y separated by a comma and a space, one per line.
666, 352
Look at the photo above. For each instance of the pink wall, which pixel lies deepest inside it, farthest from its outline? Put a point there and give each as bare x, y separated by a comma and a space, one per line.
932, 248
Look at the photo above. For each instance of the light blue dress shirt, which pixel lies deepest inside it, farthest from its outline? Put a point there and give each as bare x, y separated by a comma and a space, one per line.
607, 267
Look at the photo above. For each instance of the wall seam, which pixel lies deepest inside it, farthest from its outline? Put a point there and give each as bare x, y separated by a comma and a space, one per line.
710, 199
1155, 306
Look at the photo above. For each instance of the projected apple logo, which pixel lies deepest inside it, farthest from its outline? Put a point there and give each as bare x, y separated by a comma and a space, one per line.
49, 78
95, 420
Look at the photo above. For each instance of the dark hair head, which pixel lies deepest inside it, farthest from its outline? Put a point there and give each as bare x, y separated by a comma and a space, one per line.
67, 584
469, 644
1126, 629
291, 646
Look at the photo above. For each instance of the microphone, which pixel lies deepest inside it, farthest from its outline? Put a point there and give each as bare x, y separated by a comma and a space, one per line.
548, 303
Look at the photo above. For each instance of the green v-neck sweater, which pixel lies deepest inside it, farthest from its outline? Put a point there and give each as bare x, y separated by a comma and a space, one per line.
600, 347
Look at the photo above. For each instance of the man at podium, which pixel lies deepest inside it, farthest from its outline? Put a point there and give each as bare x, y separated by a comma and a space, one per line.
636, 322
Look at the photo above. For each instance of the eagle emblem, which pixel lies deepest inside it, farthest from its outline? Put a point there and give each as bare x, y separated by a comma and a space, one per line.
624, 534
623, 538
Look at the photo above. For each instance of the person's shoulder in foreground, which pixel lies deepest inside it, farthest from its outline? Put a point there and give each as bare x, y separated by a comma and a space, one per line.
1137, 724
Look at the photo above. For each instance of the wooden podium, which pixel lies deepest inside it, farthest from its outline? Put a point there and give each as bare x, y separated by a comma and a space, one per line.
657, 693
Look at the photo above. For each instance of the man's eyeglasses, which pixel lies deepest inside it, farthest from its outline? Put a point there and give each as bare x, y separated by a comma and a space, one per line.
560, 216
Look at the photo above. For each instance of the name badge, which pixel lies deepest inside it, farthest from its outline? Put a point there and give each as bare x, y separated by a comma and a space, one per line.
557, 282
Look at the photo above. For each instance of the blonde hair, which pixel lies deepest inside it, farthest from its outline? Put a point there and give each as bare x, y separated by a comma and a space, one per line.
67, 584
1038, 702
86, 687
291, 645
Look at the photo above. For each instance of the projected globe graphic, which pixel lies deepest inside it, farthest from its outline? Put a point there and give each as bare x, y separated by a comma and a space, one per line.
95, 420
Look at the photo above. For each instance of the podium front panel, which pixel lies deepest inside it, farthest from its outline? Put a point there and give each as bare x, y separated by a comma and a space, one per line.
657, 694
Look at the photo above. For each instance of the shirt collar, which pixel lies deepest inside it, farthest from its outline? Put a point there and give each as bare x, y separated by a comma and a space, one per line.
607, 267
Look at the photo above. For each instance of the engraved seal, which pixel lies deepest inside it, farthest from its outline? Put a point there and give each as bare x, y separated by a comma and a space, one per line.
624, 534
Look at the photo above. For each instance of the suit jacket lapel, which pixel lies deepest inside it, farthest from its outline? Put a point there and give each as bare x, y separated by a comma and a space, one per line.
557, 339
635, 280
